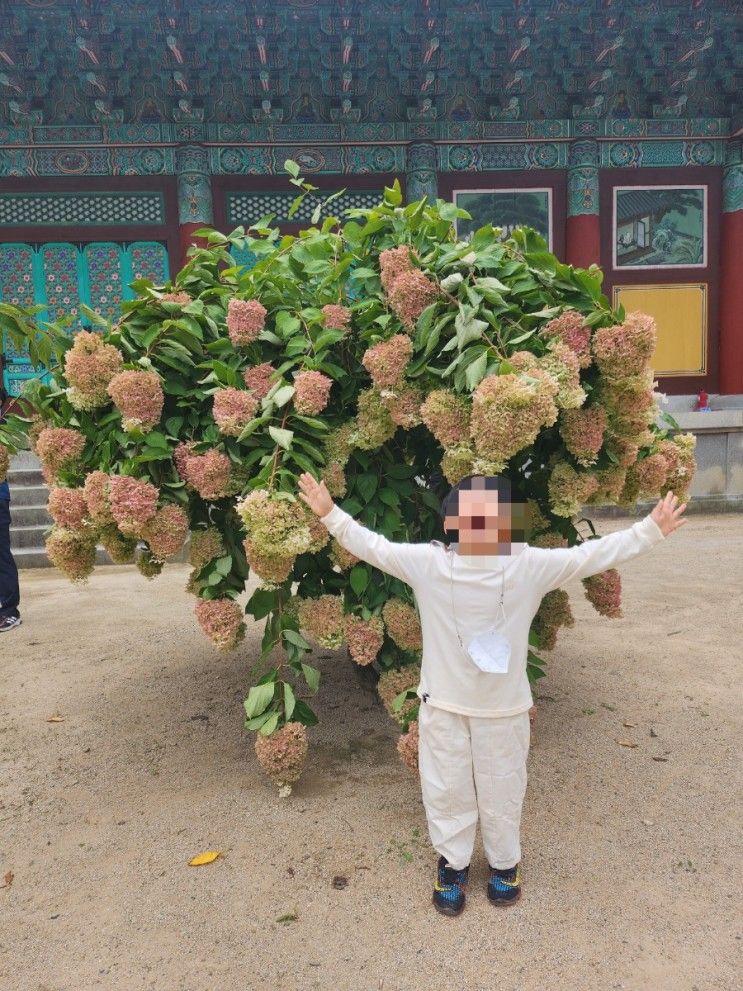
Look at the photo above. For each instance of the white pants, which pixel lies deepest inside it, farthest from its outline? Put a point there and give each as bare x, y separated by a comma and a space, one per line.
469, 765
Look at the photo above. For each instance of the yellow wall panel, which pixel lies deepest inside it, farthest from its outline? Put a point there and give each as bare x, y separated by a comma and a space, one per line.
680, 312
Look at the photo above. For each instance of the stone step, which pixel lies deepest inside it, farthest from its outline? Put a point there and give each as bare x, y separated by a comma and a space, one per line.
27, 536
29, 516
29, 495
34, 557
25, 476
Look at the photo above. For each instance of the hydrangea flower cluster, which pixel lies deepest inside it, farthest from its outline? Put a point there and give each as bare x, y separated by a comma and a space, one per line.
569, 328
403, 404
233, 410
339, 443
147, 564
604, 592
139, 398
311, 392
508, 411
133, 503
272, 568
407, 746
563, 365
339, 556
392, 263
568, 489
374, 425
59, 449
246, 318
410, 294
68, 508
176, 297
277, 532
119, 548
4, 462
447, 416
583, 432
258, 378
206, 545
89, 366
554, 611
209, 474
402, 624
96, 490
391, 683
282, 755
335, 479
386, 362
166, 532
72, 551
222, 621
322, 620
625, 349
681, 464
336, 317
364, 637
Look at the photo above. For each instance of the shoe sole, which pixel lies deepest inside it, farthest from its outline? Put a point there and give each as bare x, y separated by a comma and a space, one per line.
7, 629
504, 901
451, 913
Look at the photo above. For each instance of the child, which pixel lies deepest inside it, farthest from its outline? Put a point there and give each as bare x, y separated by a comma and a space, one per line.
476, 601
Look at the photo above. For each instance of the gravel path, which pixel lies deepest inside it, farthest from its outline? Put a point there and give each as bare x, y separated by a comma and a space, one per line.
632, 866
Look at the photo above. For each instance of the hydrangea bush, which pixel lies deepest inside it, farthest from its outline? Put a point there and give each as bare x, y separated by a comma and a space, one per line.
380, 353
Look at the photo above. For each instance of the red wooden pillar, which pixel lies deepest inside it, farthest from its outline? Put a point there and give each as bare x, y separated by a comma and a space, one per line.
194, 195
583, 231
731, 276
187, 239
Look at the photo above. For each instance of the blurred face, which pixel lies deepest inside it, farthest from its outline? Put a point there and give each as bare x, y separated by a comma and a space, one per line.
485, 522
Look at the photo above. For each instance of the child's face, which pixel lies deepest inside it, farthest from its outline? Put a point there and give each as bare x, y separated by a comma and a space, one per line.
486, 522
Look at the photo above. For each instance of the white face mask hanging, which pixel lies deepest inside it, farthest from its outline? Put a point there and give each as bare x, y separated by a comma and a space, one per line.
489, 651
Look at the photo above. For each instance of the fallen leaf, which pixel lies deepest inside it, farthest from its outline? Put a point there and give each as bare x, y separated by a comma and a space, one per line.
626, 743
660, 758
339, 881
629, 725
56, 719
8, 879
288, 917
205, 858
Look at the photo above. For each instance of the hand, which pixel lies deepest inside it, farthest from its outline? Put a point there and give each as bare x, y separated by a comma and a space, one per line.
315, 495
667, 514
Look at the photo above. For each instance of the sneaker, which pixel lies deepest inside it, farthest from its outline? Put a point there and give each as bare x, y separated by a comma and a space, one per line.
9, 623
504, 886
448, 891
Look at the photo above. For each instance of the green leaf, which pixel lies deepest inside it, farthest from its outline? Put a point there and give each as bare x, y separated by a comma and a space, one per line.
312, 676
467, 326
287, 324
475, 371
359, 578
258, 699
270, 724
366, 485
303, 714
292, 168
296, 638
283, 395
282, 437
289, 701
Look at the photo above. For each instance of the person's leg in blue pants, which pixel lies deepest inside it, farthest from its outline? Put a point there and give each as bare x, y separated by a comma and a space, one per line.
9, 591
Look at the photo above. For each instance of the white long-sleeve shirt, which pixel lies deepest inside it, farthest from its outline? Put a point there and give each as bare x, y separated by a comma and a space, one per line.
449, 677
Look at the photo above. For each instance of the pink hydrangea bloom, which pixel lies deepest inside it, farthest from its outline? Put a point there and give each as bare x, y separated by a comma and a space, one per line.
447, 416
246, 318
364, 637
410, 294
404, 405
139, 398
89, 367
392, 263
625, 349
508, 411
282, 754
322, 620
258, 378
340, 556
72, 552
96, 491
205, 546
407, 746
648, 475
336, 317
311, 392
166, 532
133, 503
604, 592
176, 297
402, 624
569, 328
119, 548
554, 611
4, 462
391, 683
569, 489
233, 410
386, 362
222, 621
335, 479
210, 474
583, 432
68, 508
59, 448
271, 567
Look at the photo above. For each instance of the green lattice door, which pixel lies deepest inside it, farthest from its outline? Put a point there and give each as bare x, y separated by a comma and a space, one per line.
61, 275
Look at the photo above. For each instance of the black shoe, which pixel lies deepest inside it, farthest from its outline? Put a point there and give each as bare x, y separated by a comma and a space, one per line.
9, 623
448, 891
504, 886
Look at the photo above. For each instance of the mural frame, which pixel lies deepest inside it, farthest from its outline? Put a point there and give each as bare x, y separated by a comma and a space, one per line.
521, 189
664, 267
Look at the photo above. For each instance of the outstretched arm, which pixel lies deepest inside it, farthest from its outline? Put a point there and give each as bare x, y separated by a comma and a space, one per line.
553, 568
403, 561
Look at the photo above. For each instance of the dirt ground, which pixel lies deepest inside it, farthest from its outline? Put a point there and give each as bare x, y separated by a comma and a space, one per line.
631, 856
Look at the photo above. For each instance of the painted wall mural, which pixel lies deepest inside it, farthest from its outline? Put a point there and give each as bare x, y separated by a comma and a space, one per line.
660, 227
507, 209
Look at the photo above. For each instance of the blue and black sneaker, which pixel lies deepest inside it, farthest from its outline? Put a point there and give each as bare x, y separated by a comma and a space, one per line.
448, 891
504, 886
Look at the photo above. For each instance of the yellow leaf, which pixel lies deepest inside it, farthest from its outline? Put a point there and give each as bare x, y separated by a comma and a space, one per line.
630, 725
55, 719
205, 858
626, 743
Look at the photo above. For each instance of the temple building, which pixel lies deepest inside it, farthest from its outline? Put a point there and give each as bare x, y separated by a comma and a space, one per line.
613, 128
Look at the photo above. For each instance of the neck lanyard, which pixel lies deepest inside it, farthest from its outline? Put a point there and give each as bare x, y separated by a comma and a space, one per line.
453, 609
